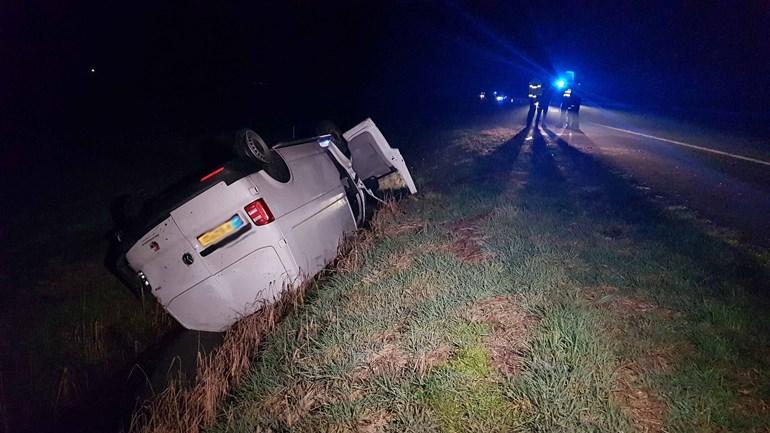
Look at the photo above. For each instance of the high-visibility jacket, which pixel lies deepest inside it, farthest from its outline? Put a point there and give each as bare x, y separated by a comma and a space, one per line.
535, 91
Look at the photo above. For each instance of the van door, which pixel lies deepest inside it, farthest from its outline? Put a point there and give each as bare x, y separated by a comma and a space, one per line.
372, 156
160, 256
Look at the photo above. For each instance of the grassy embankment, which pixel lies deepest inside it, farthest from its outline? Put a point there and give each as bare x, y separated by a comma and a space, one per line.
527, 288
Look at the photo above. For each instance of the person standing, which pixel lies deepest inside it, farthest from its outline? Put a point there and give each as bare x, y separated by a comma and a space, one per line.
573, 111
565, 101
542, 110
534, 94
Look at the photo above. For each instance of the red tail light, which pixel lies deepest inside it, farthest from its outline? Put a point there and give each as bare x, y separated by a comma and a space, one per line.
259, 212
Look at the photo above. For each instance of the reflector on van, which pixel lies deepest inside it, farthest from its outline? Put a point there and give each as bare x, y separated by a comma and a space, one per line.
212, 174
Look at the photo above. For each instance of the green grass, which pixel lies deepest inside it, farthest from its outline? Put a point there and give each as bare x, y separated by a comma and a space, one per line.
638, 319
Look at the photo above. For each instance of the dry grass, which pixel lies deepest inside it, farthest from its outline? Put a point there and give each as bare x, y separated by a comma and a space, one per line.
372, 421
510, 327
422, 364
396, 262
423, 288
192, 409
390, 360
646, 411
467, 239
749, 401
353, 250
293, 403
608, 297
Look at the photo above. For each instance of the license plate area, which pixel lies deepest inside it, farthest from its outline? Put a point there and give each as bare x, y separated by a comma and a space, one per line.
233, 226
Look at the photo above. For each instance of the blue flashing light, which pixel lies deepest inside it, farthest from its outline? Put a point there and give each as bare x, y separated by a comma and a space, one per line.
560, 83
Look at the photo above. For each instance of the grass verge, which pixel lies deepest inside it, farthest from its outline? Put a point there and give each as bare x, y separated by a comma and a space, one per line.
526, 289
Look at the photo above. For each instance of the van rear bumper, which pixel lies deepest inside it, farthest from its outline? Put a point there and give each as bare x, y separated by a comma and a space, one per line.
238, 290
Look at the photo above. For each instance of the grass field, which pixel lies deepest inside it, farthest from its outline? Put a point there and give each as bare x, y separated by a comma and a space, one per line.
526, 288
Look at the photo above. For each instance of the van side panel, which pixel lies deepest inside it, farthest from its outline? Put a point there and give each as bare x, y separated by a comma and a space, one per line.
315, 231
316, 215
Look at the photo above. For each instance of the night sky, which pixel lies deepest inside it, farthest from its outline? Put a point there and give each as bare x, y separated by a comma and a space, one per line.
198, 65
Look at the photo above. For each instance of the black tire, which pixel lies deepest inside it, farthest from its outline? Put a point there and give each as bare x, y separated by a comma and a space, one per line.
325, 127
250, 146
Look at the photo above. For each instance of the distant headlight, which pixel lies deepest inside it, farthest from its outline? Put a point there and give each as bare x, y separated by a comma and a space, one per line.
500, 98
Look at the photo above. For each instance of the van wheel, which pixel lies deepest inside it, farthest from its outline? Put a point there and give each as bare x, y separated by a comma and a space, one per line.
250, 146
325, 127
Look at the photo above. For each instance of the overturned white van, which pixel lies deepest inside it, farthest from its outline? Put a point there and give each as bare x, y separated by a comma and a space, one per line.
219, 247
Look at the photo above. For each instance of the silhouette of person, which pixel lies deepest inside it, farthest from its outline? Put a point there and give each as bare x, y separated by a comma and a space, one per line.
542, 109
534, 94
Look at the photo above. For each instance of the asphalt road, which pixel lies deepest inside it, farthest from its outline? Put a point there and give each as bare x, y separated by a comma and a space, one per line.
723, 177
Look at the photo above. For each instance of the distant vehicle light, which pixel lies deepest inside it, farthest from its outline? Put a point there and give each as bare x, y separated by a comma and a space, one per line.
482, 95
500, 98
495, 92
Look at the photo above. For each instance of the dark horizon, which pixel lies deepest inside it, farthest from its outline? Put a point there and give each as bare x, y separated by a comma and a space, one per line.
149, 55
198, 69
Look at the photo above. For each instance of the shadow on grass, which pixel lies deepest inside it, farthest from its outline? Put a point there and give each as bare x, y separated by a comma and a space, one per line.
616, 197
488, 171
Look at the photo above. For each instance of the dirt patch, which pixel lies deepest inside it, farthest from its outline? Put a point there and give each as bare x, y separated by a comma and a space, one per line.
467, 239
510, 329
640, 405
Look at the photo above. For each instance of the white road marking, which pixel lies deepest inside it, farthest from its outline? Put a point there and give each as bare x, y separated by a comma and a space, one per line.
691, 146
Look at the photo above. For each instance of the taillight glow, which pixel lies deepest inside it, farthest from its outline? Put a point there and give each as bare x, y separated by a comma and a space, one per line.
212, 174
259, 212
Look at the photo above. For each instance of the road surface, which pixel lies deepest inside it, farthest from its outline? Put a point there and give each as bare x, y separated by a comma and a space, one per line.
722, 177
